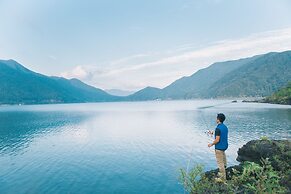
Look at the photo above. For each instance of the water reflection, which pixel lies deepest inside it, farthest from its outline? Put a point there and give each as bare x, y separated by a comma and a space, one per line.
121, 147
18, 129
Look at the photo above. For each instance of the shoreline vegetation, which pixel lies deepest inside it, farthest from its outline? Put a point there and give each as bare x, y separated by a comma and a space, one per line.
265, 167
282, 96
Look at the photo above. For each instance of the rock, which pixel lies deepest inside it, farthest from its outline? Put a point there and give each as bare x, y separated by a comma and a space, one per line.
229, 172
251, 101
276, 150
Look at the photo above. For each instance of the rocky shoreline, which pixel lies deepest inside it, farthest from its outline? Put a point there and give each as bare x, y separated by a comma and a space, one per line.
277, 151
266, 100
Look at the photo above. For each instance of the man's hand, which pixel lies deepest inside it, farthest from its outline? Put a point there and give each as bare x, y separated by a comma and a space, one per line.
210, 132
217, 139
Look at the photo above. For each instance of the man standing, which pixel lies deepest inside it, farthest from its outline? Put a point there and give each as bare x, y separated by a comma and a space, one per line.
221, 144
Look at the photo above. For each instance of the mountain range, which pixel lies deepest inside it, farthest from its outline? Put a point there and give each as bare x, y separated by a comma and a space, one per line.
259, 75
19, 85
117, 92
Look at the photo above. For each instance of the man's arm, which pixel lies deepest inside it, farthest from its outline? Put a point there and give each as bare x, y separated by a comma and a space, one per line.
217, 137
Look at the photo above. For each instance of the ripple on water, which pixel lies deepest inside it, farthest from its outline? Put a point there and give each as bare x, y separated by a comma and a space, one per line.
121, 147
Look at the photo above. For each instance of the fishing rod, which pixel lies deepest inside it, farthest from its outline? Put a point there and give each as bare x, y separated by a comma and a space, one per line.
209, 132
204, 123
211, 106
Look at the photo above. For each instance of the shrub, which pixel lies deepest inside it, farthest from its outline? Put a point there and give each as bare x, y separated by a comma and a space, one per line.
264, 138
254, 178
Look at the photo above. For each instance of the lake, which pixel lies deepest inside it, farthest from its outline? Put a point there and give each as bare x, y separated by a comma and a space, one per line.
122, 147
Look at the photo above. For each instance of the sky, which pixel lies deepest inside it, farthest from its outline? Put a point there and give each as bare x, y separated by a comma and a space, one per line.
132, 44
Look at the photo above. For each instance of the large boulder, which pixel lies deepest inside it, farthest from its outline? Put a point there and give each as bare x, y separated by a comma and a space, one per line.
278, 152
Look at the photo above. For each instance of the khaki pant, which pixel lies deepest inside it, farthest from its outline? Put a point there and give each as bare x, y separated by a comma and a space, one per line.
221, 163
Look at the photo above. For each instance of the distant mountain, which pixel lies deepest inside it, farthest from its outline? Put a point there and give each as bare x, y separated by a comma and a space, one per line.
195, 86
148, 93
19, 85
255, 76
116, 92
260, 77
283, 96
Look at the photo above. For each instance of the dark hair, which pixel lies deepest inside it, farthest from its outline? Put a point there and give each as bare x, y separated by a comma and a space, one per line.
221, 117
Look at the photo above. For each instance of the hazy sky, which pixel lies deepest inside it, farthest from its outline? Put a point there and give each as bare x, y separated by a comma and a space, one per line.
130, 44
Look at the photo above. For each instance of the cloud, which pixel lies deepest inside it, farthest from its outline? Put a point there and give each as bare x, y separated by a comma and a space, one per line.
79, 72
160, 69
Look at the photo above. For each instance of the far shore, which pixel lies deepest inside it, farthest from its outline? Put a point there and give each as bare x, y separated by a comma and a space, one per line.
230, 99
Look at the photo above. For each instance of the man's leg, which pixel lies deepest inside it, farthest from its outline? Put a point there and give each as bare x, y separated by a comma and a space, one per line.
224, 159
220, 162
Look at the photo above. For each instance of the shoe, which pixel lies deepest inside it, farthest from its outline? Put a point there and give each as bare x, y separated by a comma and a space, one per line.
219, 180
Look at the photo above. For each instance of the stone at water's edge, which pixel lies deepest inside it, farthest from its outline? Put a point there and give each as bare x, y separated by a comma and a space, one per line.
255, 150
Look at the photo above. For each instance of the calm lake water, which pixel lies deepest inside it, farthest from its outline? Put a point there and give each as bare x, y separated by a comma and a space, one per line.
134, 147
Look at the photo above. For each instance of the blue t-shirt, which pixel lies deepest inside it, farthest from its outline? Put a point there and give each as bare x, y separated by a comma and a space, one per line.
222, 131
